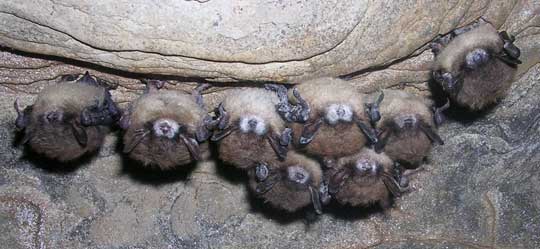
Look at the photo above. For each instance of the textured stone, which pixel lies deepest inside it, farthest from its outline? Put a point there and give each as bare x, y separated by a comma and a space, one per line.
274, 40
479, 190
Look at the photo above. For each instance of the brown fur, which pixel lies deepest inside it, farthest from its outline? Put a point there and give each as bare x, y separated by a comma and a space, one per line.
162, 152
486, 84
256, 102
453, 55
57, 141
244, 149
282, 195
332, 141
409, 146
363, 190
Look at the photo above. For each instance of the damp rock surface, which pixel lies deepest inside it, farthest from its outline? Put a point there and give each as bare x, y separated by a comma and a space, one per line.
479, 190
219, 40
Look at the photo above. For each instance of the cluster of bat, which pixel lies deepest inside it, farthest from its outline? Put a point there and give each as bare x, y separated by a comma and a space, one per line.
302, 146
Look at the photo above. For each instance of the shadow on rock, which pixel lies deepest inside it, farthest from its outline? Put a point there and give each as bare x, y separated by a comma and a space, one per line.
154, 175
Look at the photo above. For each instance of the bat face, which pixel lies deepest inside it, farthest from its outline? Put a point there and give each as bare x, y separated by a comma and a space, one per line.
475, 65
289, 185
335, 113
249, 130
166, 128
254, 124
364, 179
68, 119
332, 118
406, 127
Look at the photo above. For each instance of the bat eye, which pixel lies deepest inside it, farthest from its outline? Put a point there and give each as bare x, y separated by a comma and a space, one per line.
297, 175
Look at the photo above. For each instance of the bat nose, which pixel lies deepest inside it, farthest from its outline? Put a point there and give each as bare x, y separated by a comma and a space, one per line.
165, 128
449, 80
409, 122
252, 123
297, 175
476, 58
363, 167
340, 111
53, 116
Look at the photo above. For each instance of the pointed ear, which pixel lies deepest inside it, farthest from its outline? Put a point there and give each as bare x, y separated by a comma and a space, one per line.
137, 138
218, 135
316, 200
193, 147
384, 136
203, 132
392, 185
23, 117
80, 134
309, 131
368, 132
125, 120
87, 79
274, 140
266, 185
431, 134
27, 136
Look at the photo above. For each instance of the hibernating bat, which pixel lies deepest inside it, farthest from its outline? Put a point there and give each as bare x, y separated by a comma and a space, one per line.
68, 119
328, 117
475, 65
249, 129
166, 128
289, 185
364, 179
407, 126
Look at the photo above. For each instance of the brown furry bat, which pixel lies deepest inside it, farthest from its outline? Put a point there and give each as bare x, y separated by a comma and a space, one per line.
249, 128
329, 117
164, 127
475, 65
365, 178
407, 126
289, 185
68, 119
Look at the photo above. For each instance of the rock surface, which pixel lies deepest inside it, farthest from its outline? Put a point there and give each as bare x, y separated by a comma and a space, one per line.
276, 40
478, 191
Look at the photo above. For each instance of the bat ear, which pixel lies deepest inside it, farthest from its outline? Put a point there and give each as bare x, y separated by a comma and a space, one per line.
23, 117
27, 135
432, 134
125, 119
193, 147
80, 134
137, 138
87, 79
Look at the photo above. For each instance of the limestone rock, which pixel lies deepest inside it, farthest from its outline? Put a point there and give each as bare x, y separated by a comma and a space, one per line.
242, 40
477, 191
